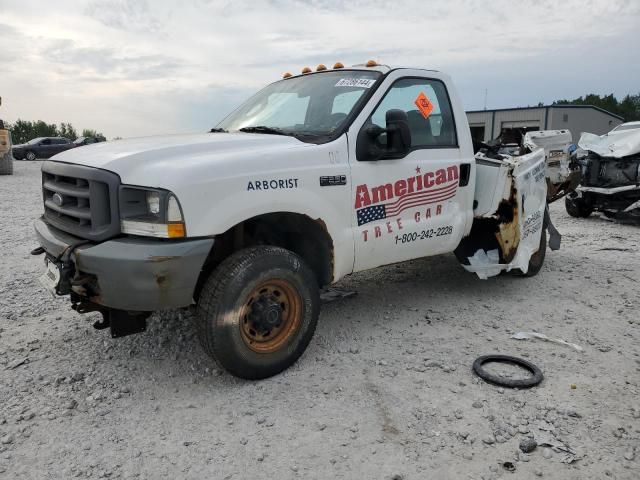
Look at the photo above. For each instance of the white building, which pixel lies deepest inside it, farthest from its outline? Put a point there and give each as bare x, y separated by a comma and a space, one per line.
512, 123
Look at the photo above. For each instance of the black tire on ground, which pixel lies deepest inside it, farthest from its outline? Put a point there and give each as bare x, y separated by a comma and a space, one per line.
537, 259
31, 156
576, 206
6, 164
535, 378
257, 311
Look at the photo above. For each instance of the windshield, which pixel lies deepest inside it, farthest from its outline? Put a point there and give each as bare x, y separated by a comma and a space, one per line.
622, 127
311, 105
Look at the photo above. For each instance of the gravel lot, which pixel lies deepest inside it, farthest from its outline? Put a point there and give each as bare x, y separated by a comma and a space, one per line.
385, 391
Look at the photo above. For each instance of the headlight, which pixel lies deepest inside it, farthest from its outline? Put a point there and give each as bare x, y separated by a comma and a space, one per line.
150, 212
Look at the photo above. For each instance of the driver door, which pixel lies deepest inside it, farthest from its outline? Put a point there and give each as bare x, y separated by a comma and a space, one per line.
44, 149
419, 203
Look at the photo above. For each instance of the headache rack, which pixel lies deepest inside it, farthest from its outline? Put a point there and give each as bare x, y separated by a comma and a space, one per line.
80, 200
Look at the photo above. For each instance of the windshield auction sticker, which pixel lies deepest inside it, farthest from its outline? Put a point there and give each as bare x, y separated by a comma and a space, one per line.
356, 82
424, 105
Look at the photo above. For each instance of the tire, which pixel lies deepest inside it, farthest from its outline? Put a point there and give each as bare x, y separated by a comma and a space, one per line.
537, 259
576, 206
535, 378
6, 164
31, 156
251, 342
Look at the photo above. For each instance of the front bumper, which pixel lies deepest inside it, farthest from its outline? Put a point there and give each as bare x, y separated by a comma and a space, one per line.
135, 274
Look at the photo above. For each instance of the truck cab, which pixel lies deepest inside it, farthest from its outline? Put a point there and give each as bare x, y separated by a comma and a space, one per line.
315, 177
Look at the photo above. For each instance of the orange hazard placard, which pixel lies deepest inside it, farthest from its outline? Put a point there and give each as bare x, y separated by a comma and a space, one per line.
424, 105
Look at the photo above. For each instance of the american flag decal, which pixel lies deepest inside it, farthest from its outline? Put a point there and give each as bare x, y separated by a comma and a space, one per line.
410, 200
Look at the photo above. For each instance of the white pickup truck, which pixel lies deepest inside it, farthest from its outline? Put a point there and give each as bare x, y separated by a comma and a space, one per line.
315, 177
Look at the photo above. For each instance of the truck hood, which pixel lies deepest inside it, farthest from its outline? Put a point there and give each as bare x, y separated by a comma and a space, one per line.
149, 160
620, 145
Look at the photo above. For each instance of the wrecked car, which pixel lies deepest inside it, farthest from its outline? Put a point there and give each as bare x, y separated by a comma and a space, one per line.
563, 172
610, 175
315, 177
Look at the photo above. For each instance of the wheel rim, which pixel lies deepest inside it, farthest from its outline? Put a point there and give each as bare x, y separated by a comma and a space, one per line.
31, 156
270, 316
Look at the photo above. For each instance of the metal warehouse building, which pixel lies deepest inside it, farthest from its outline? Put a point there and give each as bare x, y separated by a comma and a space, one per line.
512, 123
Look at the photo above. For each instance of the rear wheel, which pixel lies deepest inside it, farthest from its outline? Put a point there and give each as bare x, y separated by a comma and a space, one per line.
31, 156
6, 164
258, 311
577, 206
537, 259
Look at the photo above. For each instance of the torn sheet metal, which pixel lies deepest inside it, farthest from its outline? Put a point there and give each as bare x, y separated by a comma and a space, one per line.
563, 174
556, 148
511, 195
633, 206
618, 145
486, 264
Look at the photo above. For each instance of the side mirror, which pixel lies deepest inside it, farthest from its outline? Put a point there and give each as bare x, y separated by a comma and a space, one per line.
398, 133
377, 143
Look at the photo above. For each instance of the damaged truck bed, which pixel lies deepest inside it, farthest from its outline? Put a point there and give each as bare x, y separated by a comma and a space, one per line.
510, 215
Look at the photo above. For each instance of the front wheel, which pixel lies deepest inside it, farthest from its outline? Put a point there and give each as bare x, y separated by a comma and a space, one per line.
6, 164
31, 156
258, 311
576, 206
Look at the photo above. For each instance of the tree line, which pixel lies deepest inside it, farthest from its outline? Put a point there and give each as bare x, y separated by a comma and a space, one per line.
628, 108
24, 130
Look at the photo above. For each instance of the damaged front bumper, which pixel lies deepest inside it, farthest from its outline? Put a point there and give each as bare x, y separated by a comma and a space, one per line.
611, 174
129, 273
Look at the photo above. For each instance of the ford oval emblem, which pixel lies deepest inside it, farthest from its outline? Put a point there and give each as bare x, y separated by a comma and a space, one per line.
57, 199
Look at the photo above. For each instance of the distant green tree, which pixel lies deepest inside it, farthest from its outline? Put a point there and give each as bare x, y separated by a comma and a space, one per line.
92, 133
42, 129
24, 130
66, 130
628, 107
21, 131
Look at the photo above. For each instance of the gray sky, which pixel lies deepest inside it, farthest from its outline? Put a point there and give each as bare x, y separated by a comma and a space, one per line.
136, 67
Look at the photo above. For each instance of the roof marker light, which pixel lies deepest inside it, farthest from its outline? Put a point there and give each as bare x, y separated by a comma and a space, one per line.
306, 70
287, 75
338, 65
321, 67
372, 63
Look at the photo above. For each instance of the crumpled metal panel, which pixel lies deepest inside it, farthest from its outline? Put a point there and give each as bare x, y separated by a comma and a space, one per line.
615, 145
519, 216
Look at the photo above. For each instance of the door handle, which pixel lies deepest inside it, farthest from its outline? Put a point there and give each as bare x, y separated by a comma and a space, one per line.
465, 174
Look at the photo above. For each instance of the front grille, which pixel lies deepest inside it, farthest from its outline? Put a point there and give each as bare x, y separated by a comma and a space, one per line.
82, 201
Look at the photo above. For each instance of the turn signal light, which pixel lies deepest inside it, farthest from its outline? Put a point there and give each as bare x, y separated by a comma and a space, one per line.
338, 65
287, 75
175, 230
372, 63
306, 70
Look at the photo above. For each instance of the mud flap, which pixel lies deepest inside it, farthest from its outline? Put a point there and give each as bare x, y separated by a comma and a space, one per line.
554, 235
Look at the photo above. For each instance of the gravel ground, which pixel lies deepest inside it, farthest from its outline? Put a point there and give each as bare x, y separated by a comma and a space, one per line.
385, 390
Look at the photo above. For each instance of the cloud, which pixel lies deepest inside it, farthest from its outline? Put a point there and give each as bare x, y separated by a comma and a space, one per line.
127, 15
107, 64
120, 65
